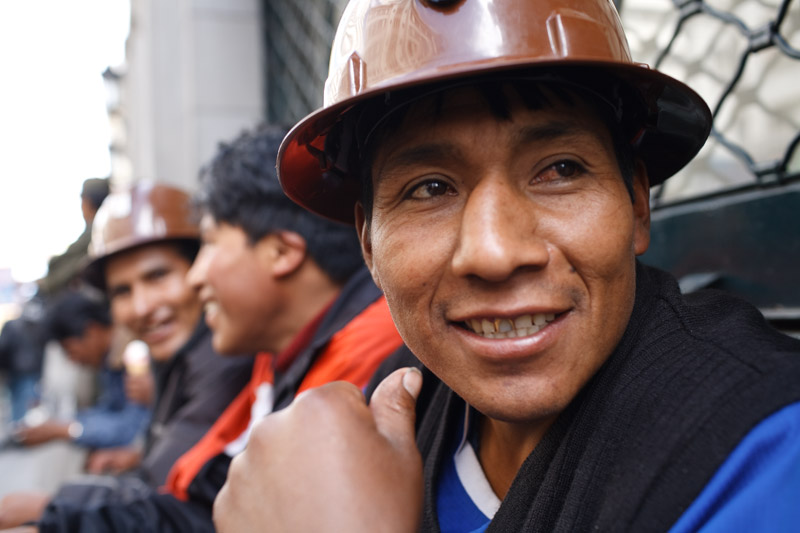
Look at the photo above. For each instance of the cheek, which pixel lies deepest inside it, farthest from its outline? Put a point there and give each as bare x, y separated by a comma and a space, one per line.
182, 298
121, 313
597, 240
598, 245
237, 286
409, 266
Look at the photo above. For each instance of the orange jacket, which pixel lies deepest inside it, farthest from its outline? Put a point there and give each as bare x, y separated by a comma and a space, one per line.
351, 353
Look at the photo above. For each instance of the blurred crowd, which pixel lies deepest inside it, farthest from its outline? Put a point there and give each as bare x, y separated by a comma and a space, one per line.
23, 339
161, 301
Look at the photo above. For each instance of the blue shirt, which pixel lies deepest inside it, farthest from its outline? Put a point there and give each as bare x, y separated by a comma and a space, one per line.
113, 420
757, 488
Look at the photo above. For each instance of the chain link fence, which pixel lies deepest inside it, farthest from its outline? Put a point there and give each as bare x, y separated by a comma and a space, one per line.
743, 57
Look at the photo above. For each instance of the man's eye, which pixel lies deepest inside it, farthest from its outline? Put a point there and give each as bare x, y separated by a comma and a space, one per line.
115, 293
157, 274
429, 189
567, 169
560, 170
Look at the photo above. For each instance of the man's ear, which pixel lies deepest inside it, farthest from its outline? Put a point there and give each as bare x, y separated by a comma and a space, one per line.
364, 235
286, 251
641, 208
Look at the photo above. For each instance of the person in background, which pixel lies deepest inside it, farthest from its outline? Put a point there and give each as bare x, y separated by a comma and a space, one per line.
65, 268
496, 158
276, 279
81, 323
143, 244
139, 389
22, 342
144, 240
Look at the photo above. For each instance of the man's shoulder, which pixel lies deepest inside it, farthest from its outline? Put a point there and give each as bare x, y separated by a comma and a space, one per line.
702, 371
757, 487
715, 327
357, 294
726, 317
402, 357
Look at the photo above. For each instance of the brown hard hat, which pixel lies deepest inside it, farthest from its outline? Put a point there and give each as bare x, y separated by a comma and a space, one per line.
384, 48
145, 213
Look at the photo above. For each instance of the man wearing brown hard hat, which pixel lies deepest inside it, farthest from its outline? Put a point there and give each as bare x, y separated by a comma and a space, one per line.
273, 278
144, 240
496, 157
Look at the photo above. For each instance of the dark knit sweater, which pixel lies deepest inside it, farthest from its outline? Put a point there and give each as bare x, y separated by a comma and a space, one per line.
690, 377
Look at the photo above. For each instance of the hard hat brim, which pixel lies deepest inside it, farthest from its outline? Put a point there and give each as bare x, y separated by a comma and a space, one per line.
676, 126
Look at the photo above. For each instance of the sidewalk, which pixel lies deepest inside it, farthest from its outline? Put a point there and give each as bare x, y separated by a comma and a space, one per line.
47, 466
40, 468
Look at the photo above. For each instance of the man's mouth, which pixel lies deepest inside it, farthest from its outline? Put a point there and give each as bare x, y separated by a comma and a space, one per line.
509, 328
156, 332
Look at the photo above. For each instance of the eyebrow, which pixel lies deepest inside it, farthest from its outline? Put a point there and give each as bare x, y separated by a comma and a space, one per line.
422, 154
436, 151
114, 290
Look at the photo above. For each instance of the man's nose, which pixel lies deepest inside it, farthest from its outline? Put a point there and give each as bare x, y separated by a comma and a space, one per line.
196, 275
142, 299
498, 232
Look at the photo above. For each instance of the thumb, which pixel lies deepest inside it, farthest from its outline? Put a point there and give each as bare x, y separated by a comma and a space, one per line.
393, 405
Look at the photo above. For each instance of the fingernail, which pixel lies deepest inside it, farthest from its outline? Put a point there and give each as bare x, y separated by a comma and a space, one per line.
412, 381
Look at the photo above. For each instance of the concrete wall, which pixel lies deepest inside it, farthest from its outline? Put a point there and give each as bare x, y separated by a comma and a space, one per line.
761, 114
193, 79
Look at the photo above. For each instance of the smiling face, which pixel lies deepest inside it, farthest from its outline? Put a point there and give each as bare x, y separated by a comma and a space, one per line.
506, 248
233, 278
150, 296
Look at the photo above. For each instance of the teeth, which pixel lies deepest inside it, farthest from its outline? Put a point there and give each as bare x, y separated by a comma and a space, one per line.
523, 322
505, 328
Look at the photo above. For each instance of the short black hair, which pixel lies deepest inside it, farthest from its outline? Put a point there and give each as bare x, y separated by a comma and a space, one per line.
71, 313
95, 190
240, 187
186, 248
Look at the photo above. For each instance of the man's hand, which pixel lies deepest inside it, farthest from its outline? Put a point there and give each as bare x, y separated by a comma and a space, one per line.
329, 462
17, 508
140, 388
44, 432
113, 460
